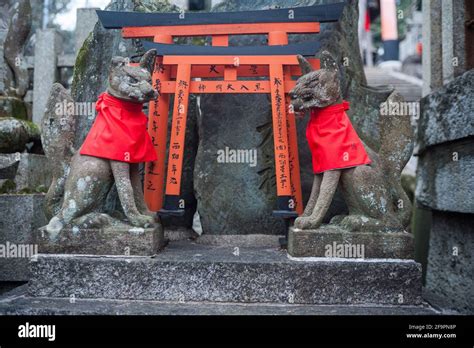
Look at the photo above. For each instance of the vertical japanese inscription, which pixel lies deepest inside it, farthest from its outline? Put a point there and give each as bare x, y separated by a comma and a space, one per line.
157, 126
178, 130
282, 165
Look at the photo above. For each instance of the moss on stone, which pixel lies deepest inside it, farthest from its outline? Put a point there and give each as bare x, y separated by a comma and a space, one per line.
13, 107
8, 186
81, 60
19, 110
409, 184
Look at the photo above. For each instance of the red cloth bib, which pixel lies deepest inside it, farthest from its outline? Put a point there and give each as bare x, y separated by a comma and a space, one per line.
119, 132
333, 142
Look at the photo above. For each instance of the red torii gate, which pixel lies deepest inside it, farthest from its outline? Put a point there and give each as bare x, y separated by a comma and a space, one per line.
177, 66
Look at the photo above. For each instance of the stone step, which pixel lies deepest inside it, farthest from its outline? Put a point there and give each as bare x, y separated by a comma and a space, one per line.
190, 272
18, 303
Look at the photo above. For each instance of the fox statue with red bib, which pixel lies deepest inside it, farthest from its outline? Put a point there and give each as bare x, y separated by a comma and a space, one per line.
111, 153
368, 180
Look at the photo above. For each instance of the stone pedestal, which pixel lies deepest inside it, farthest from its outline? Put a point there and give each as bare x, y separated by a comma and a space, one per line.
121, 240
188, 272
329, 241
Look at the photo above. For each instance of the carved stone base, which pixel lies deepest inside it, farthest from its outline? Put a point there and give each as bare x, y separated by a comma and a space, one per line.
331, 241
118, 240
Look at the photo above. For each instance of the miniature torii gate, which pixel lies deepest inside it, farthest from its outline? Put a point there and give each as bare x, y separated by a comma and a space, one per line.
178, 65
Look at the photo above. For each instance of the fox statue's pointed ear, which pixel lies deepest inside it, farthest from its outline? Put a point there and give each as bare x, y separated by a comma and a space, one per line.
148, 60
327, 60
306, 68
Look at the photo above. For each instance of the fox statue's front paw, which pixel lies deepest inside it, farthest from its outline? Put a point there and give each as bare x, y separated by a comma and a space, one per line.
140, 220
306, 223
53, 228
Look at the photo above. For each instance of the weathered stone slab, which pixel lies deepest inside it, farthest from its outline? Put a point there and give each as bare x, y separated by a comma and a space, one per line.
190, 272
335, 242
445, 178
19, 216
107, 241
447, 113
17, 303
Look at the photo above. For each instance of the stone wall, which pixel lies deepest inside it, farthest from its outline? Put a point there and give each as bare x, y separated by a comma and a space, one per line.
445, 184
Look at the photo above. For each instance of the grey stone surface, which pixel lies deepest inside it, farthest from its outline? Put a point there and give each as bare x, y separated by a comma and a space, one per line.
454, 39
451, 261
237, 198
382, 245
447, 114
47, 48
432, 46
195, 273
86, 19
19, 216
444, 183
238, 241
114, 240
28, 171
17, 303
3, 64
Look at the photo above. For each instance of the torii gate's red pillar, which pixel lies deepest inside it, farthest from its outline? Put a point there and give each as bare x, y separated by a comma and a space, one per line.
281, 38
158, 130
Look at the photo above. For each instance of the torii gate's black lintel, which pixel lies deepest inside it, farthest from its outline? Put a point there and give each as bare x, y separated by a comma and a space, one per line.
308, 48
318, 13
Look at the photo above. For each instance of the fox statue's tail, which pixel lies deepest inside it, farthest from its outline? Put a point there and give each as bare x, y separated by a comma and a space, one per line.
397, 142
57, 136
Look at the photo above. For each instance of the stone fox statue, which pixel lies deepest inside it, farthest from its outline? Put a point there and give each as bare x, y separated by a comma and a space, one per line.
117, 142
369, 181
